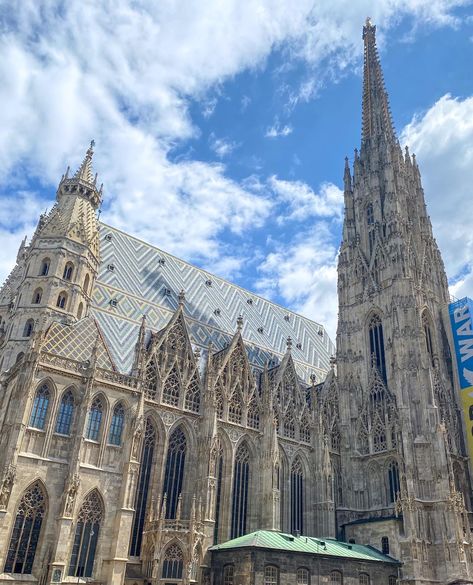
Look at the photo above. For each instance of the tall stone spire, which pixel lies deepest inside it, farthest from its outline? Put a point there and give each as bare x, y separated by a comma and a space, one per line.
85, 171
377, 122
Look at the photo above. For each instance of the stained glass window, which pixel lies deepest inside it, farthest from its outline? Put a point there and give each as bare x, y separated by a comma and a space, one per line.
65, 413
173, 562
241, 479
174, 473
95, 419
393, 480
297, 497
192, 400
219, 480
116, 426
86, 536
171, 389
377, 344
141, 496
40, 407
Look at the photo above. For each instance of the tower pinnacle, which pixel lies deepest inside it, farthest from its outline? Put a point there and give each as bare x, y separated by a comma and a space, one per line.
85, 171
377, 122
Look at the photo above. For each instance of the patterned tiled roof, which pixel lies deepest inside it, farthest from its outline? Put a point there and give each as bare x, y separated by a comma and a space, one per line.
136, 278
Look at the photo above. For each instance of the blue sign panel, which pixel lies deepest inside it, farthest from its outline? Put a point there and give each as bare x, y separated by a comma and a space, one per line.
461, 313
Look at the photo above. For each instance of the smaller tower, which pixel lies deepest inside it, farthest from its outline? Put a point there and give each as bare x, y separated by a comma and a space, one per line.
54, 275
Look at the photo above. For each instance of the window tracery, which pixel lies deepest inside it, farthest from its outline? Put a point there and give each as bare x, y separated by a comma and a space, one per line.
304, 430
171, 388
235, 407
173, 562
65, 414
376, 338
174, 473
151, 380
241, 479
94, 421
40, 407
116, 426
192, 400
253, 417
297, 497
86, 536
26, 531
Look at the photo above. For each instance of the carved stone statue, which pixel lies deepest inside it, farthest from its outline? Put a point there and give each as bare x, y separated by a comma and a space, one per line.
70, 495
6, 487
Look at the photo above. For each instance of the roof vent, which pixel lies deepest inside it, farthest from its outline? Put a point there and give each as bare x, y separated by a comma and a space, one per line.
167, 292
217, 312
286, 317
208, 282
299, 345
161, 262
321, 332
113, 302
110, 267
249, 301
260, 330
108, 237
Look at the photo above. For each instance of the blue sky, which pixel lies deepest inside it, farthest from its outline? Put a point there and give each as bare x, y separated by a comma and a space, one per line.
221, 128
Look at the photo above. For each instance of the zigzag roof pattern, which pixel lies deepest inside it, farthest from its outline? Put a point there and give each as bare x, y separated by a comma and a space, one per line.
136, 278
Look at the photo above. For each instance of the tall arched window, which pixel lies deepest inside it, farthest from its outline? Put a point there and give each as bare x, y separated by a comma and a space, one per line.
86, 536
219, 481
271, 575
26, 530
68, 270
86, 284
377, 345
80, 311
94, 421
65, 414
37, 295
228, 574
173, 562
116, 426
171, 388
364, 579
141, 495
336, 578
61, 300
426, 324
44, 269
393, 481
40, 407
302, 577
241, 479
28, 330
297, 497
174, 473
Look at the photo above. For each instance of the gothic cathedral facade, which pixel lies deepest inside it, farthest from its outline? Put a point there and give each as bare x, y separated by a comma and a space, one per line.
149, 410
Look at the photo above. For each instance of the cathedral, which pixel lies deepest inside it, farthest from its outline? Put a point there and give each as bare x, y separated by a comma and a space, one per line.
160, 425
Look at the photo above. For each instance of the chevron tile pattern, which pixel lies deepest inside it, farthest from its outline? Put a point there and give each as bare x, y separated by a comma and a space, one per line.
136, 278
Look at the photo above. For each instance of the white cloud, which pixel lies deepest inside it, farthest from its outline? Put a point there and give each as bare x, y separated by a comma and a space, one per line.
221, 146
442, 139
304, 273
277, 130
302, 202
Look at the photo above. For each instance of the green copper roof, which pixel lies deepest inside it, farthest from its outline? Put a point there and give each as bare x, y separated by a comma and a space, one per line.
304, 544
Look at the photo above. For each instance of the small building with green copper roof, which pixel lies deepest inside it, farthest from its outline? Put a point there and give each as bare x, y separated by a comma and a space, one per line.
267, 557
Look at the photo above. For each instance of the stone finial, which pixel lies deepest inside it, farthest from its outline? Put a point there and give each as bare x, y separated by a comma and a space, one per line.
313, 379
239, 322
182, 297
289, 343
333, 361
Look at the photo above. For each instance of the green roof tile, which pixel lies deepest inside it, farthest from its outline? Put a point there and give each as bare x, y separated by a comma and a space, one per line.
305, 544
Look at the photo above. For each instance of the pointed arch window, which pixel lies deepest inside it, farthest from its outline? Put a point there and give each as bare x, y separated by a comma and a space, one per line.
37, 296
86, 284
393, 481
174, 473
369, 214
28, 330
141, 495
192, 400
218, 463
289, 424
379, 437
40, 407
305, 429
94, 421
335, 438
44, 269
297, 497
65, 414
173, 562
86, 536
171, 388
376, 337
116, 426
61, 300
151, 380
80, 310
241, 480
68, 270
26, 531
426, 325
